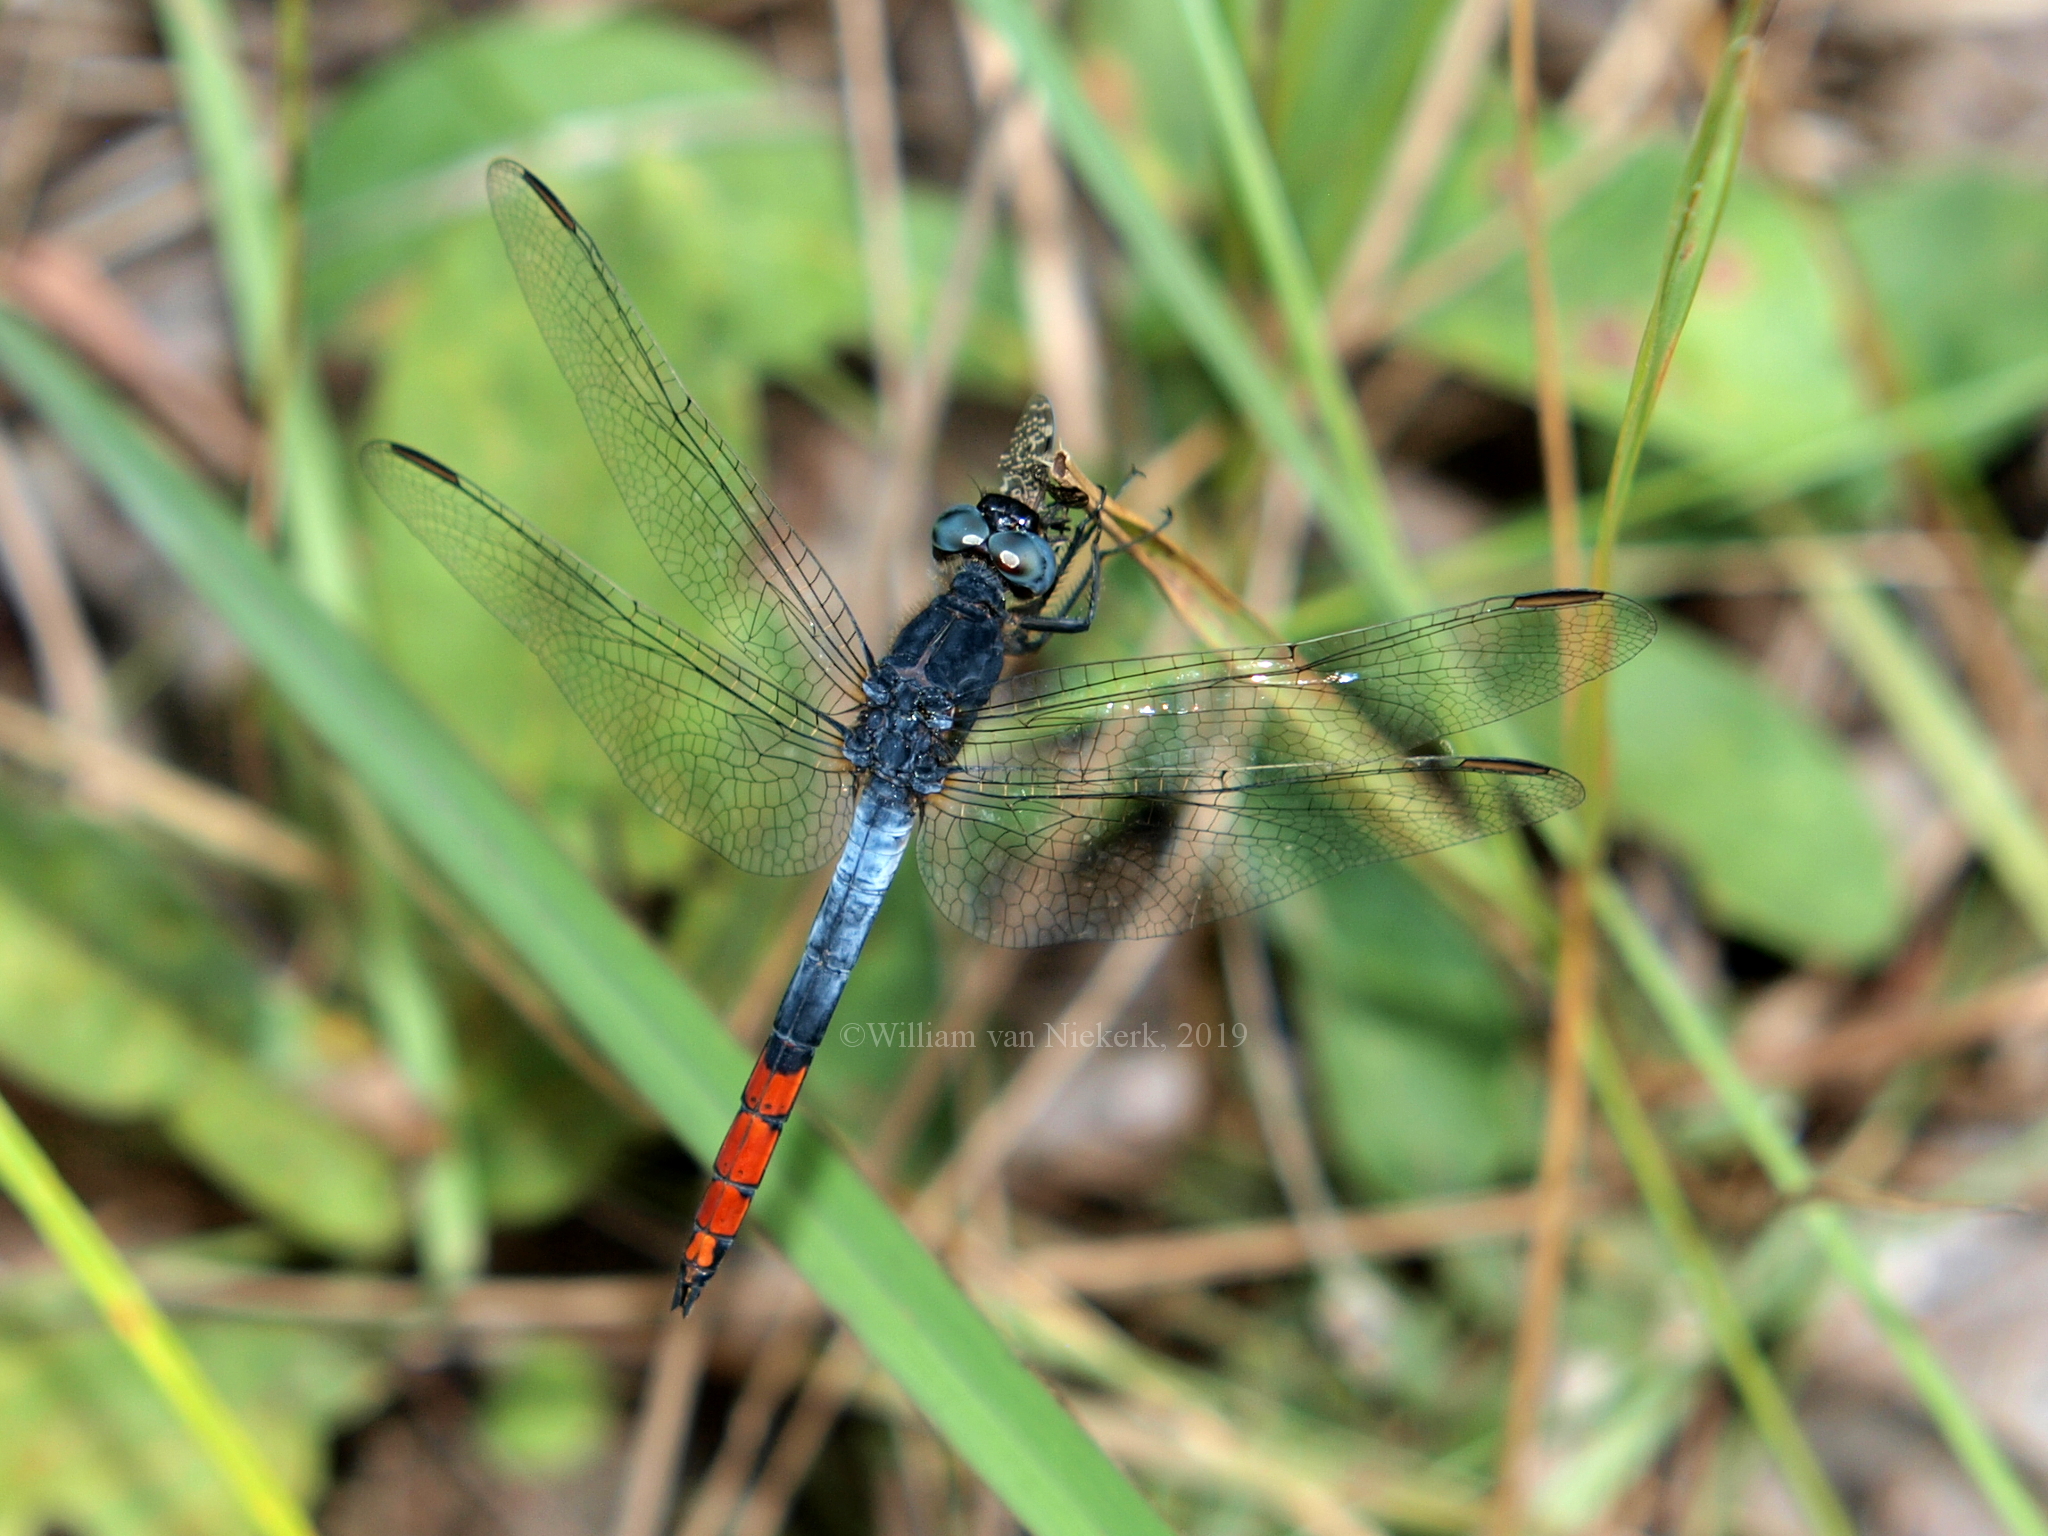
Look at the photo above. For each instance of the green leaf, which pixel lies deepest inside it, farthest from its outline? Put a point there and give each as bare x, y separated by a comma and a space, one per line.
133, 910
85, 1035
1412, 1028
1759, 803
402, 151
1957, 260
1421, 963
1761, 361
114, 1051
88, 1447
833, 1227
319, 1181
543, 1138
547, 1411
1412, 1111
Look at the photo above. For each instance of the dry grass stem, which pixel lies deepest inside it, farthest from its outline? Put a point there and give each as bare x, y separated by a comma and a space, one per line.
595, 1303
782, 1362
67, 659
213, 822
1475, 255
655, 1449
1730, 568
1550, 1228
1113, 1267
1436, 112
1203, 1450
1875, 1043
1357, 1308
29, 132
1623, 78
975, 989
1059, 309
1230, 1440
869, 99
1575, 985
1197, 596
1111, 986
907, 470
832, 1384
1279, 538
67, 291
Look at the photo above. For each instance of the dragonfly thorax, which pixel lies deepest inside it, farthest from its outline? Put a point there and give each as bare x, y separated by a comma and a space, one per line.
923, 696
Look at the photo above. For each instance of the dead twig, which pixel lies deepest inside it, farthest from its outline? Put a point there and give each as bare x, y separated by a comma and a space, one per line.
66, 290
654, 1451
1115, 1267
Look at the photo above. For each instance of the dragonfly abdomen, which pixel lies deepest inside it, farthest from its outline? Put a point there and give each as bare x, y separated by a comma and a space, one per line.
882, 823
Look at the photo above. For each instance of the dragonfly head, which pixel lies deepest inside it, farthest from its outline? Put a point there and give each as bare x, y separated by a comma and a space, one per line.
1004, 534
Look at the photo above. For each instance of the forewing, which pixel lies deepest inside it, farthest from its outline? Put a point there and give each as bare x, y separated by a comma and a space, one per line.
741, 763
742, 567
1407, 684
1032, 856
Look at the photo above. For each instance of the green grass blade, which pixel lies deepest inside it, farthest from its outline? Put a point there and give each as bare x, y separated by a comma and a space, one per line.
251, 239
1770, 1410
1980, 1454
1387, 573
259, 238
97, 1266
1769, 1142
837, 1231
1703, 188
241, 197
1936, 726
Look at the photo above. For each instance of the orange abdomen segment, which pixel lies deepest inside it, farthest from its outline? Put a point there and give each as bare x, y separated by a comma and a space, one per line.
748, 1146
735, 1175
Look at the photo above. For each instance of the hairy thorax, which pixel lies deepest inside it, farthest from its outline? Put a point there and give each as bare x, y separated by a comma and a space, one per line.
923, 696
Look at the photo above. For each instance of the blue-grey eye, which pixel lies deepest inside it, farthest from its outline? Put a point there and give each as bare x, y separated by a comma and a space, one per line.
1024, 559
959, 529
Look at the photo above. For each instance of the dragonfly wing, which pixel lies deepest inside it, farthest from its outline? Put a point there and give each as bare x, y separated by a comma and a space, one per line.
1143, 797
1027, 856
718, 538
743, 764
1407, 683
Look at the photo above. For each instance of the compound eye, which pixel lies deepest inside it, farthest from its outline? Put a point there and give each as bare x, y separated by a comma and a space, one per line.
959, 529
1024, 559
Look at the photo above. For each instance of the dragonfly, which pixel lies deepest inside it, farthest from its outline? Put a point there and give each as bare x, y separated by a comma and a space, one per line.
1093, 801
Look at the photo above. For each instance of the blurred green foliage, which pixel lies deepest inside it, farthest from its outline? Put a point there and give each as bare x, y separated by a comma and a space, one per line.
88, 1034
547, 1409
90, 1448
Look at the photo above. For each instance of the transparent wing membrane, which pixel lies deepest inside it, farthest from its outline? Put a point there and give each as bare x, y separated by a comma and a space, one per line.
1410, 682
722, 542
1031, 858
735, 759
1148, 796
